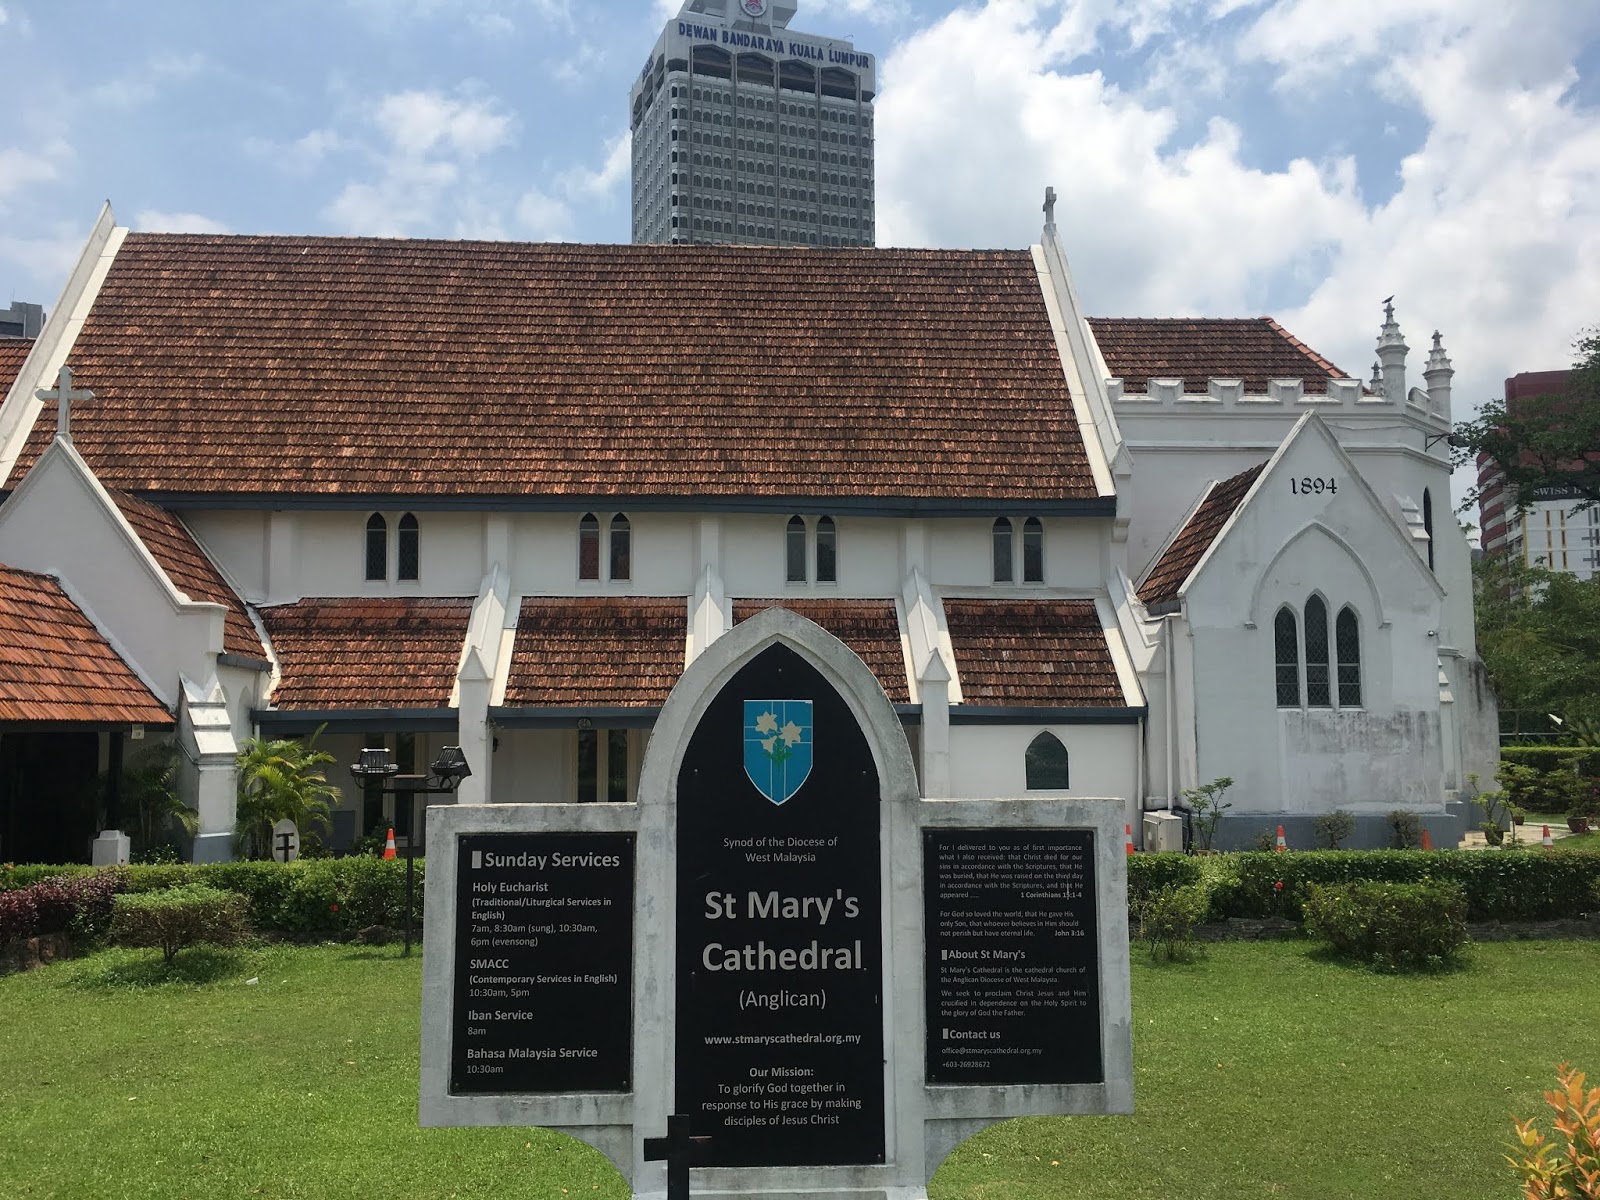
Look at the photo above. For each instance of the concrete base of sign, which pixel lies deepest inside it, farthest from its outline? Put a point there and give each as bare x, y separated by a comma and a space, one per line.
111, 849
923, 1123
213, 848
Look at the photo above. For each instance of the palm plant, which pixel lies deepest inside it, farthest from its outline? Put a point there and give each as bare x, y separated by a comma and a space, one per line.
278, 778
149, 795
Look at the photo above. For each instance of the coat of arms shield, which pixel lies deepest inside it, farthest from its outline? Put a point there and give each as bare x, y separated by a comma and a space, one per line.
777, 746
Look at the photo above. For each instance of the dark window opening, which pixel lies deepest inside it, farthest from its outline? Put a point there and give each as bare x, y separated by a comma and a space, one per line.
410, 558
1427, 523
617, 766
588, 764
377, 547
827, 551
1032, 551
621, 547
1347, 646
1002, 551
589, 547
1318, 690
1046, 763
795, 544
1286, 647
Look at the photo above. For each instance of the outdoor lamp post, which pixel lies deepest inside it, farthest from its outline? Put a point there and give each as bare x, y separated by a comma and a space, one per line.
448, 769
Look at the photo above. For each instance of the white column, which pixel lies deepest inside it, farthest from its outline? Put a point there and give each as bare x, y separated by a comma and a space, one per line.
935, 689
210, 787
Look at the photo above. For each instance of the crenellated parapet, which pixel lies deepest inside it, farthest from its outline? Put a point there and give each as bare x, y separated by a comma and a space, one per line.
1230, 395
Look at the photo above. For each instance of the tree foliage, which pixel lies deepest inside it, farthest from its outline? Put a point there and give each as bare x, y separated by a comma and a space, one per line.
1543, 441
150, 796
278, 778
1539, 636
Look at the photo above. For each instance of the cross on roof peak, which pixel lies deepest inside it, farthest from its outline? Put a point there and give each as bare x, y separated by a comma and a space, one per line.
63, 394
1049, 207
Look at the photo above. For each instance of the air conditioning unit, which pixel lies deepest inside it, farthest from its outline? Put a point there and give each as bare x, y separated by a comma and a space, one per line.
1163, 831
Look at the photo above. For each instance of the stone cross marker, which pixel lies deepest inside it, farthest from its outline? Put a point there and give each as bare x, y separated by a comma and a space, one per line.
64, 394
285, 841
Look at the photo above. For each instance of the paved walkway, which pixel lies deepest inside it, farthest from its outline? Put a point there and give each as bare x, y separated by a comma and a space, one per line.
1528, 834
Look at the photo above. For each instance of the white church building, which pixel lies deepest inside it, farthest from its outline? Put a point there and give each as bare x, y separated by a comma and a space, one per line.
499, 495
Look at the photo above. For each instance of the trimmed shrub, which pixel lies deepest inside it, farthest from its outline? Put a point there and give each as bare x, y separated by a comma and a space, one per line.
1395, 926
176, 917
28, 874
1554, 758
1533, 790
1499, 886
1405, 829
1149, 873
78, 904
1332, 828
1165, 920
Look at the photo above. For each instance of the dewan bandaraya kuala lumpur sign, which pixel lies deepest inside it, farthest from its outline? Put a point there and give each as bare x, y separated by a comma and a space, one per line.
835, 980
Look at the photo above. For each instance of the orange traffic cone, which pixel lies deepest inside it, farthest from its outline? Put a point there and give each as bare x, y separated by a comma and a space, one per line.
388, 846
1547, 840
1427, 842
1127, 829
1282, 845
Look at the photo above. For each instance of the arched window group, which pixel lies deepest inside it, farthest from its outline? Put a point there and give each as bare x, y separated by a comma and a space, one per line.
1325, 670
408, 558
619, 556
1004, 555
799, 560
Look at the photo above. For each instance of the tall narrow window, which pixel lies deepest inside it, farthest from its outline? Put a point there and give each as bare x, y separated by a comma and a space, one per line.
1046, 764
1032, 551
795, 550
621, 548
588, 764
588, 547
377, 547
409, 557
1286, 648
827, 551
617, 766
1002, 551
1347, 645
1427, 522
1318, 692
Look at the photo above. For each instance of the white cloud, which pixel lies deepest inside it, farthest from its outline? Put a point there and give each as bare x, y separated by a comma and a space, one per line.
489, 19
146, 81
19, 167
1493, 233
300, 156
418, 123
151, 220
49, 254
544, 218
582, 183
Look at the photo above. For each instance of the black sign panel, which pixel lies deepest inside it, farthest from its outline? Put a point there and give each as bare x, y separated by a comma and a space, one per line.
544, 963
1013, 980
780, 954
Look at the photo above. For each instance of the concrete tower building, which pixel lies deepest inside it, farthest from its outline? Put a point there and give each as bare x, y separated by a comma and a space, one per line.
745, 131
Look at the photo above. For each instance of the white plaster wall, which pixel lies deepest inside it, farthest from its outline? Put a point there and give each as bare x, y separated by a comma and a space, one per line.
1283, 547
544, 552
332, 554
988, 760
237, 540
962, 551
102, 567
755, 561
534, 766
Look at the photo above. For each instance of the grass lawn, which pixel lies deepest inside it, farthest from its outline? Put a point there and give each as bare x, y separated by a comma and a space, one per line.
1261, 1071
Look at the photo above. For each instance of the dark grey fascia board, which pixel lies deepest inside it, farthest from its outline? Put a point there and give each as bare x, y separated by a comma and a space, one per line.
18, 727
534, 717
971, 714
1165, 608
909, 714
863, 506
356, 720
245, 661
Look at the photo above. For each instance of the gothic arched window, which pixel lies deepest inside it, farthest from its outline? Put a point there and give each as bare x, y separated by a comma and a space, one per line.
1286, 650
589, 547
377, 547
410, 555
827, 551
1427, 522
1032, 551
1319, 693
1003, 572
1347, 648
621, 548
1046, 764
795, 550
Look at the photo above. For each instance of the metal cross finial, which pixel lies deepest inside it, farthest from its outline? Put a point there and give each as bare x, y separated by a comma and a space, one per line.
1438, 341
63, 394
1049, 207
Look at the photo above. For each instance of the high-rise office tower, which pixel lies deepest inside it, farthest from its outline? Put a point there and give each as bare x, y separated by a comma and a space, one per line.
747, 131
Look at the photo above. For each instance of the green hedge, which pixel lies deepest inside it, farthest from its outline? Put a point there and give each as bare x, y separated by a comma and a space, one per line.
1149, 873
1554, 758
313, 895
1395, 926
1518, 885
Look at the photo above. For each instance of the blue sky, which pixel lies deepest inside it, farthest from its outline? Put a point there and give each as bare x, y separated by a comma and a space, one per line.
1303, 158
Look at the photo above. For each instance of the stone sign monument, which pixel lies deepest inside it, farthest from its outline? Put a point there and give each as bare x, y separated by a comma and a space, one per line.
833, 980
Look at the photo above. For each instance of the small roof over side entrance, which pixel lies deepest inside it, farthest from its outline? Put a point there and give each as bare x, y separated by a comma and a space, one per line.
56, 667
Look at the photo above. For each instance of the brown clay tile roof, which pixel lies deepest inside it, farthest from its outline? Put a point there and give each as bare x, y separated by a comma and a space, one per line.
13, 351
1032, 654
1196, 350
869, 627
191, 572
379, 652
288, 365
598, 652
1172, 569
57, 668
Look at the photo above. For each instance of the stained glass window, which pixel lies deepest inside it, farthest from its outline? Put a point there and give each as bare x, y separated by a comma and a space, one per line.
1286, 644
1318, 690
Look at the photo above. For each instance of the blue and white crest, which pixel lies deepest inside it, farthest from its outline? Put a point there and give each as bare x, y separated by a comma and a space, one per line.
777, 746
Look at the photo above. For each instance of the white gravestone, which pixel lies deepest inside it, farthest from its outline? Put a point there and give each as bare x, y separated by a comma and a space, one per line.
285, 841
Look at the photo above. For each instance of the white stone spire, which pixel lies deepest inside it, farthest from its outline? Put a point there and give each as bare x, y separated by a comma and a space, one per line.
1438, 376
1392, 350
